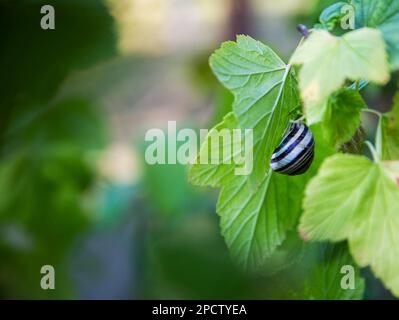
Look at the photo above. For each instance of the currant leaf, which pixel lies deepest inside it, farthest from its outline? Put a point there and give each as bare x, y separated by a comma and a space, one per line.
327, 61
265, 92
384, 15
327, 272
389, 126
355, 199
341, 118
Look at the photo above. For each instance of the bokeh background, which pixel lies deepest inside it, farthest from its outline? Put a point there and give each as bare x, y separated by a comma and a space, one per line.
75, 191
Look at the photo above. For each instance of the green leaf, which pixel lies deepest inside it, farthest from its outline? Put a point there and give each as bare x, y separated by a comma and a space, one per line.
254, 217
327, 61
324, 280
221, 173
390, 132
332, 15
357, 200
342, 116
254, 222
250, 232
384, 15
286, 257
265, 92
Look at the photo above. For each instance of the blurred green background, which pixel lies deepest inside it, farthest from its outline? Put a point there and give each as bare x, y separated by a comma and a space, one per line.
75, 192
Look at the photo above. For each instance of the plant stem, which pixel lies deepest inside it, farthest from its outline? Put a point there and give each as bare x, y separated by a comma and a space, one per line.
378, 138
374, 153
375, 112
378, 135
359, 86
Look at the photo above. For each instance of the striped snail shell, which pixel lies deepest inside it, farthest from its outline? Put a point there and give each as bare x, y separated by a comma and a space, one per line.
295, 153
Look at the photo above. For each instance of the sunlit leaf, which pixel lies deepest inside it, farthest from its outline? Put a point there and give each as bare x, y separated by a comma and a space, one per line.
357, 200
265, 92
255, 222
327, 61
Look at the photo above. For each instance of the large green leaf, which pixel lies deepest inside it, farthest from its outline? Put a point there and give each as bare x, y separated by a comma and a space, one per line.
253, 219
357, 200
384, 15
327, 61
265, 92
254, 222
342, 116
389, 127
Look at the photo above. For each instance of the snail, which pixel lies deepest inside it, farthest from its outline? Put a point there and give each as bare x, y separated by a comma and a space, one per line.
295, 154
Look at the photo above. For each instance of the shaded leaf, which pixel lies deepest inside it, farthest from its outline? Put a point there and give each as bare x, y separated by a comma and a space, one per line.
389, 127
384, 15
332, 15
342, 116
324, 280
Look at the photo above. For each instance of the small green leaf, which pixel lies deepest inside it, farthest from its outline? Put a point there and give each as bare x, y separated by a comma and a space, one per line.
265, 92
390, 132
357, 200
333, 264
384, 15
327, 61
332, 15
342, 116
